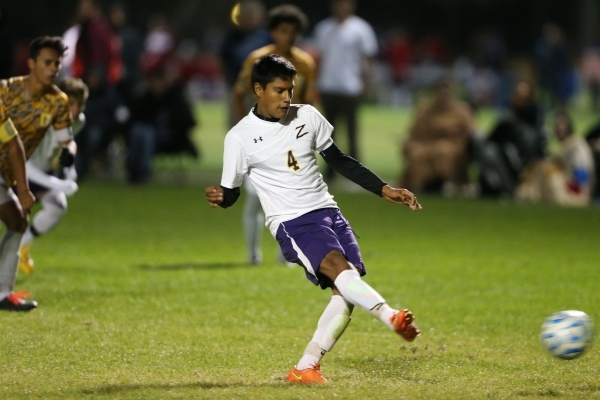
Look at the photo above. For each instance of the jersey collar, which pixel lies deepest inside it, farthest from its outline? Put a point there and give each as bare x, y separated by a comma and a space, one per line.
261, 117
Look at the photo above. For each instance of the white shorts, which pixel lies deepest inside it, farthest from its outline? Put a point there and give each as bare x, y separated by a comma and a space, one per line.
6, 193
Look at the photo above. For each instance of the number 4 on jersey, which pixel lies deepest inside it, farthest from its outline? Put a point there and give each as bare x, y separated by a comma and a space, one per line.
292, 162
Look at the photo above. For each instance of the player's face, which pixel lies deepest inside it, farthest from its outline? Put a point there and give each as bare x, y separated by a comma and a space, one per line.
46, 66
75, 107
284, 35
274, 100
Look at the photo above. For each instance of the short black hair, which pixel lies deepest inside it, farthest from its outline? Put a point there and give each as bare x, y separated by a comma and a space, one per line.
46, 42
74, 88
270, 67
287, 13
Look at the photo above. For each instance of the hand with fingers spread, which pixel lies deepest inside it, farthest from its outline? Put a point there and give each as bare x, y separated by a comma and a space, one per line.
401, 196
214, 195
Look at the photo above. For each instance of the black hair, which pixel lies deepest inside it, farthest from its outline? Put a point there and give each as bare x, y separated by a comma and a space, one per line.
74, 87
46, 42
287, 13
270, 67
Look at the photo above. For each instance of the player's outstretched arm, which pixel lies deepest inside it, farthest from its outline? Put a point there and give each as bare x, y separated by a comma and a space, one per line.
401, 196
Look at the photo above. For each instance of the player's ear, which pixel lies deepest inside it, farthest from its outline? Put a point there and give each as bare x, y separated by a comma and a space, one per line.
30, 63
258, 89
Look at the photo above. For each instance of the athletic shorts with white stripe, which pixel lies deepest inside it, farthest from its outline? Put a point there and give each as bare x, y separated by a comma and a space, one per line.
307, 239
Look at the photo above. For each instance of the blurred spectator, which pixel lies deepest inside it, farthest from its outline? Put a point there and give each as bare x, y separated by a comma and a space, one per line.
347, 46
7, 48
99, 129
593, 139
552, 60
130, 41
517, 139
436, 150
249, 35
161, 122
566, 179
398, 52
159, 43
97, 46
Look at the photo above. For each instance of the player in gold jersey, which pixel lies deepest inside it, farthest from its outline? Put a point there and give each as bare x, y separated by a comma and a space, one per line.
285, 23
33, 103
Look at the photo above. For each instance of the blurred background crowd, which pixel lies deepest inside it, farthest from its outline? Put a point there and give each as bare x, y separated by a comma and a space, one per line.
534, 61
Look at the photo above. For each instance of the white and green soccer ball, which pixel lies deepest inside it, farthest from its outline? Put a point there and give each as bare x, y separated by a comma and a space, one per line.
567, 334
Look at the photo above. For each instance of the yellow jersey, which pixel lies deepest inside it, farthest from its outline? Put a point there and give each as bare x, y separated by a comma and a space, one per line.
31, 117
301, 60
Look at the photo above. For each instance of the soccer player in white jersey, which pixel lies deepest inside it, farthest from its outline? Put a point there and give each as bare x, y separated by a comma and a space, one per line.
48, 161
275, 146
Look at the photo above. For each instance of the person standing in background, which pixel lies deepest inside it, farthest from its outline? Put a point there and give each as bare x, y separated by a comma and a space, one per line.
347, 46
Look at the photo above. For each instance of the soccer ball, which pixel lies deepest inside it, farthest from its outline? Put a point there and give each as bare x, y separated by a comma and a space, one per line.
566, 334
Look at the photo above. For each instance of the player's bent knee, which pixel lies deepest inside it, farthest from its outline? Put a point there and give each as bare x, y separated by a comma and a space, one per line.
334, 264
56, 200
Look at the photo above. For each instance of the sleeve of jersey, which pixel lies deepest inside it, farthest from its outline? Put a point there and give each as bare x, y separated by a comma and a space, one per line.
347, 166
7, 131
63, 134
235, 163
369, 41
323, 130
63, 118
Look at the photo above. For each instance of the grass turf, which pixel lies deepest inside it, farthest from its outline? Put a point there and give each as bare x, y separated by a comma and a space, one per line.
144, 293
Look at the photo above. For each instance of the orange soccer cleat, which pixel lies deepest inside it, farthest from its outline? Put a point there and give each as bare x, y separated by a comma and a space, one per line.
16, 302
403, 325
306, 376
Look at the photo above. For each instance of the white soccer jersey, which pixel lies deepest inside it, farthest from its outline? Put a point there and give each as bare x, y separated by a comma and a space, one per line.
280, 160
48, 149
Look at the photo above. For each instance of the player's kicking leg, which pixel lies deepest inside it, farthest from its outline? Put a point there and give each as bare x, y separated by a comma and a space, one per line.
54, 207
11, 216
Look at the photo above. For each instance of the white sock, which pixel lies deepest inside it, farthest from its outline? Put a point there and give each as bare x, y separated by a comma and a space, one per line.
9, 259
331, 325
359, 293
54, 207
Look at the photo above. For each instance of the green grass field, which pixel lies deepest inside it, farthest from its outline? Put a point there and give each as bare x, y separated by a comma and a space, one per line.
144, 294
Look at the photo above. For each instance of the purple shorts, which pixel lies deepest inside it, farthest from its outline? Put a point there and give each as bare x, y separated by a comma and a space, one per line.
306, 241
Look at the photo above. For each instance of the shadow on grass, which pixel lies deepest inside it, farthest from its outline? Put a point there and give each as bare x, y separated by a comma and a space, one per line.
113, 389
180, 266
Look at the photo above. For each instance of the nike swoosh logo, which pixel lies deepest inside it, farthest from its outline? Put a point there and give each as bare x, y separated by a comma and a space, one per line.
299, 377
